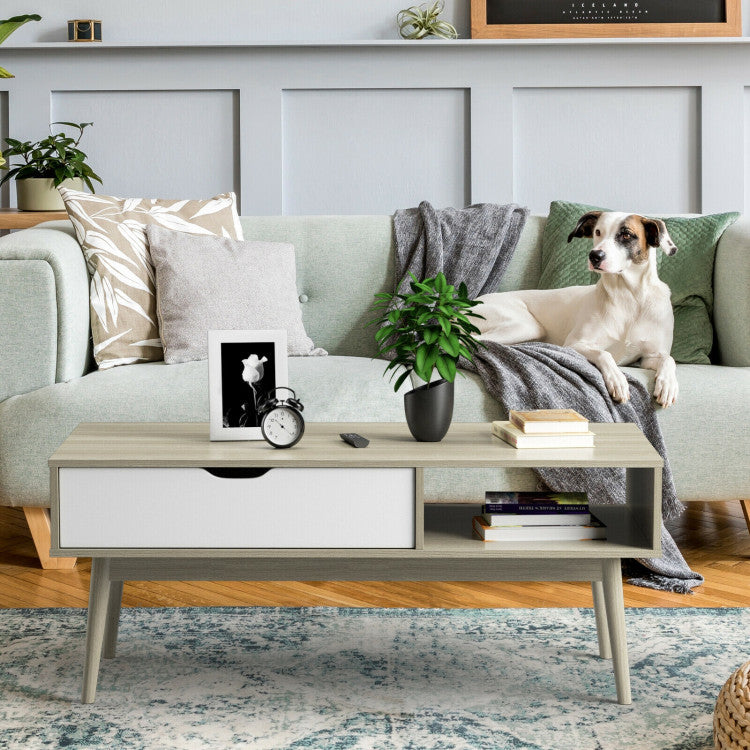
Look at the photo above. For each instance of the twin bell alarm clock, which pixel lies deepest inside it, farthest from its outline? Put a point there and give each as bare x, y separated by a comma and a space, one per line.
281, 420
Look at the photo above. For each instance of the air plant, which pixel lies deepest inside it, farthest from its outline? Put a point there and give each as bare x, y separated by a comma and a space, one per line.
7, 27
420, 21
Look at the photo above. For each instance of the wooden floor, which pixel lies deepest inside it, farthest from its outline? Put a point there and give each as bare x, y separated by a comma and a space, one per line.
713, 537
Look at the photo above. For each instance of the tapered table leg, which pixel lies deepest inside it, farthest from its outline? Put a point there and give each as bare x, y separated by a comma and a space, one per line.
113, 619
97, 620
600, 613
615, 606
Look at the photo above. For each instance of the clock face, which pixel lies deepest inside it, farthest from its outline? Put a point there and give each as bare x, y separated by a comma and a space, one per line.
283, 427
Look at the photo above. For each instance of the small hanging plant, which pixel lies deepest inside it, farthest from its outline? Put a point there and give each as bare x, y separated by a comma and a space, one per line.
420, 21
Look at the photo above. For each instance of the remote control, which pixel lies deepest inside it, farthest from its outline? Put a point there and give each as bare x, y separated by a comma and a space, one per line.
355, 440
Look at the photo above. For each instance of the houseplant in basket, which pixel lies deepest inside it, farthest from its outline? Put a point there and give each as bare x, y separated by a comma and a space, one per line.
44, 165
423, 330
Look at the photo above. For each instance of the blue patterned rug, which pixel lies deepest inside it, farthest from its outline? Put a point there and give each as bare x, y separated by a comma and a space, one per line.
366, 678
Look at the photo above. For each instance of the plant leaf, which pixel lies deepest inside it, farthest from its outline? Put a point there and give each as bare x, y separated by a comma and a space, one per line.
447, 368
9, 25
400, 380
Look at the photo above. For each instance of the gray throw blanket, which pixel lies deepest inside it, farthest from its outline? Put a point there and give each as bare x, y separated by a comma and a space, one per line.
474, 245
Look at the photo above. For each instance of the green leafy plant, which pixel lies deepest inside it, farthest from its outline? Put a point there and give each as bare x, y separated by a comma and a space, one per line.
7, 27
57, 156
420, 21
428, 328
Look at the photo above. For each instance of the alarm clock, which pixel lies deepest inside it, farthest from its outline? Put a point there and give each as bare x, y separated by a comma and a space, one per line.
281, 420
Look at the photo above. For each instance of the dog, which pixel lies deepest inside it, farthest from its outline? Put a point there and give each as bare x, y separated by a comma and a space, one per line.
625, 317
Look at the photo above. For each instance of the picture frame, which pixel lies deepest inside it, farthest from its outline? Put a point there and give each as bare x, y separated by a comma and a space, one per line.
243, 366
535, 19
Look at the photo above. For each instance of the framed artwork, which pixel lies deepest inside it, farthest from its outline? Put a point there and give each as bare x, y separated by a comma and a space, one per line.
519, 19
243, 366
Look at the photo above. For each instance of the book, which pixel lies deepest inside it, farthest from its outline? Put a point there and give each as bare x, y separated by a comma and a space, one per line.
537, 519
535, 509
545, 497
595, 530
549, 420
518, 439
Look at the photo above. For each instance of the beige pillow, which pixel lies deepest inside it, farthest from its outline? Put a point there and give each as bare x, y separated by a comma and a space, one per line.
206, 283
112, 233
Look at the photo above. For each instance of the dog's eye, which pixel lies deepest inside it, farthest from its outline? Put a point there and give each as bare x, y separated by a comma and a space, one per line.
598, 233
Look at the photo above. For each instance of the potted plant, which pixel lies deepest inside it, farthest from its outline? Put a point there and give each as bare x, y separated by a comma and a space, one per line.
424, 330
55, 160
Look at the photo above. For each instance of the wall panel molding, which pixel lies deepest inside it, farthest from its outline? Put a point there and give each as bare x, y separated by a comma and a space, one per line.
632, 148
240, 141
157, 143
369, 150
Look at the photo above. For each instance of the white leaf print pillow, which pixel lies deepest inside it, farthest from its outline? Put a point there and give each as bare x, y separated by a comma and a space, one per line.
112, 234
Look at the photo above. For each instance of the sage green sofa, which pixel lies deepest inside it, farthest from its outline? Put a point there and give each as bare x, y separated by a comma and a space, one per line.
47, 385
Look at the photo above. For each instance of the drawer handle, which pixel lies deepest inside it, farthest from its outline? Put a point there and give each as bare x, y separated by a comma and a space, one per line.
240, 472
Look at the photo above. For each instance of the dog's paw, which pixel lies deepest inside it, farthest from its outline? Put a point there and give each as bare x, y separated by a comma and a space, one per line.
666, 389
617, 385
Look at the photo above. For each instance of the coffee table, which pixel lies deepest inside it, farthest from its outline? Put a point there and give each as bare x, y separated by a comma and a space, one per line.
158, 501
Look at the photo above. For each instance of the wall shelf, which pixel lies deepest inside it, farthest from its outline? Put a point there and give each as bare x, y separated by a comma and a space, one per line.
396, 43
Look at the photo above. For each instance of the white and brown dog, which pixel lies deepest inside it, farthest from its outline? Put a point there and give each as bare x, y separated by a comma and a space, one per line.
625, 317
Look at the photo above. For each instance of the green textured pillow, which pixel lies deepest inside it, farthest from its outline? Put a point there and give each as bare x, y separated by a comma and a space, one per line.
688, 273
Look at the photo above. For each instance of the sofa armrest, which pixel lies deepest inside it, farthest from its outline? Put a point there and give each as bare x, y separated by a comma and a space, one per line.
732, 295
44, 308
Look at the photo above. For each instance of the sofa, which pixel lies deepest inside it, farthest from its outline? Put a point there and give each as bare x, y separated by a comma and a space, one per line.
48, 383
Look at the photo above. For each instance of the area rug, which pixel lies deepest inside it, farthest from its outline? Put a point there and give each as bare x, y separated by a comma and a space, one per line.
332, 678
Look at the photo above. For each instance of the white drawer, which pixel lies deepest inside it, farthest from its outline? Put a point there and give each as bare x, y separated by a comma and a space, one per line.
139, 508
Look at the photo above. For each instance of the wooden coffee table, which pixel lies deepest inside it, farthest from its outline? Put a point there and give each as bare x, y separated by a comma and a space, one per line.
161, 502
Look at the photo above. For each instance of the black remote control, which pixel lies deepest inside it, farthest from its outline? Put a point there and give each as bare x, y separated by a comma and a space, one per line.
354, 439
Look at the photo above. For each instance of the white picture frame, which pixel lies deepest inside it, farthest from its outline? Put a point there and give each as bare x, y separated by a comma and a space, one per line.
243, 366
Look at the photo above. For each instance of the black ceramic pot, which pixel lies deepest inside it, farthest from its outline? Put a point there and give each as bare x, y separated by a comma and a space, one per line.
429, 410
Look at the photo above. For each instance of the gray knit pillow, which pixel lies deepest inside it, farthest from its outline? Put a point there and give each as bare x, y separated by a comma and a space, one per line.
205, 283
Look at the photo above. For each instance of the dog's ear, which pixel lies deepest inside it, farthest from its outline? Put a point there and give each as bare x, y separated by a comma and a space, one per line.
658, 236
585, 226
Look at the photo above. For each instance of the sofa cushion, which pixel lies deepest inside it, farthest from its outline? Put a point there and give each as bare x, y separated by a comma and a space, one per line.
32, 426
214, 283
707, 443
112, 233
688, 273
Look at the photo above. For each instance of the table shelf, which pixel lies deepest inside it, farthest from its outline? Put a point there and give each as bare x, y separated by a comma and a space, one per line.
448, 532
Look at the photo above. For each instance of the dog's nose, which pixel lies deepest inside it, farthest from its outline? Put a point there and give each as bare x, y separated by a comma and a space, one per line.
596, 257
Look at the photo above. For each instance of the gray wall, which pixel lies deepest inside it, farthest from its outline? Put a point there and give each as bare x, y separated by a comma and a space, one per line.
172, 21
336, 125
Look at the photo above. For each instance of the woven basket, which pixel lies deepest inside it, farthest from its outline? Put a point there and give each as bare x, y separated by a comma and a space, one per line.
732, 712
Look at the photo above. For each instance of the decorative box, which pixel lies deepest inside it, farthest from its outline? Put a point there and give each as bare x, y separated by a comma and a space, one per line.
84, 30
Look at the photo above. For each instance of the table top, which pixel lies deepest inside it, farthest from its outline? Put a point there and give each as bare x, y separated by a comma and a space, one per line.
12, 218
467, 445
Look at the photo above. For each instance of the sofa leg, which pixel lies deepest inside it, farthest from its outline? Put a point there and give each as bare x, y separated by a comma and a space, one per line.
41, 532
746, 510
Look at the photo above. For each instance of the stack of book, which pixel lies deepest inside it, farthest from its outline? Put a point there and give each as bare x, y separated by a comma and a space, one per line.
545, 428
537, 516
